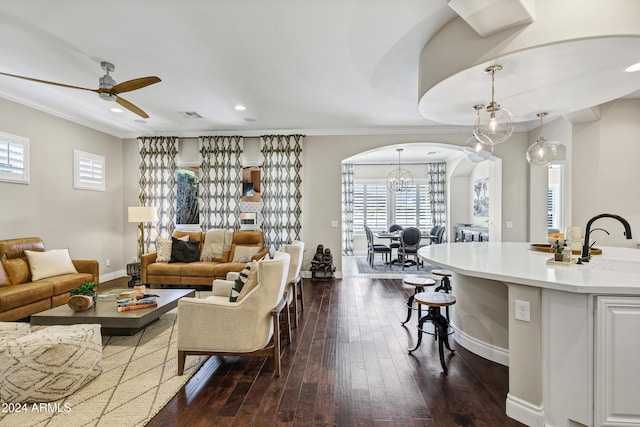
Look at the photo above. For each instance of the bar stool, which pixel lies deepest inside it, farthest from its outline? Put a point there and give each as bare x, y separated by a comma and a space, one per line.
441, 329
418, 283
445, 283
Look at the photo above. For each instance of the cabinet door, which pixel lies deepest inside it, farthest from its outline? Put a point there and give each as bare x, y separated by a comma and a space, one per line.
617, 371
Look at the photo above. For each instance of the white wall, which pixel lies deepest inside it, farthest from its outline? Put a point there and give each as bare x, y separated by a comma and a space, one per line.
606, 173
89, 223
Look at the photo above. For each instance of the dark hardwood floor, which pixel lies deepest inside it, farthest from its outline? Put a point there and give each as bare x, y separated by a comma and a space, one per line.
347, 366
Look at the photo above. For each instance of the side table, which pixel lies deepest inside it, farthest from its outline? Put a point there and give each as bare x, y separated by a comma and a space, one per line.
133, 270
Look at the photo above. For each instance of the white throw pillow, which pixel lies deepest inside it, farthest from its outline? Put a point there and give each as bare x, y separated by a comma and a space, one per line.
50, 263
244, 253
164, 248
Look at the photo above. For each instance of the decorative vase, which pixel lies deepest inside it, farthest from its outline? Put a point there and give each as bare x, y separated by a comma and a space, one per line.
559, 257
80, 302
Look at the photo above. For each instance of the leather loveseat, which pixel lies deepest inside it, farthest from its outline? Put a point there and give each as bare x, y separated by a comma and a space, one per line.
201, 272
20, 296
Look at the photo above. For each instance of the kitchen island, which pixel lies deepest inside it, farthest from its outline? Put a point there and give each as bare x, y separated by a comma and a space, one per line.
567, 332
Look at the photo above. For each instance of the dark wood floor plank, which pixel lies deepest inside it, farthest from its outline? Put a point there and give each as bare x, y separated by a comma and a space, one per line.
347, 365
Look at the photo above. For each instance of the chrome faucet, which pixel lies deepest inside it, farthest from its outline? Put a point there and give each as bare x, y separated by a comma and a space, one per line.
586, 248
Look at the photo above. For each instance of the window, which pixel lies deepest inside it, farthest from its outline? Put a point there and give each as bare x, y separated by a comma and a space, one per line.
375, 207
88, 171
188, 181
554, 197
14, 158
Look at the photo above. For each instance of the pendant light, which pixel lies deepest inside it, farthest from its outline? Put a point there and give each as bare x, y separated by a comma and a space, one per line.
494, 121
399, 180
541, 152
478, 149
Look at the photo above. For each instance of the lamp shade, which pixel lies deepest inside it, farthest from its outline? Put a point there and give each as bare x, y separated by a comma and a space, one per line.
143, 213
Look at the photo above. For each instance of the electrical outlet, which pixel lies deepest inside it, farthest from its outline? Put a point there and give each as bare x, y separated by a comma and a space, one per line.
508, 224
108, 263
523, 312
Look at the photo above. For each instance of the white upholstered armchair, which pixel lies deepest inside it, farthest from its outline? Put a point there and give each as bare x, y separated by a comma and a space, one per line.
216, 326
293, 289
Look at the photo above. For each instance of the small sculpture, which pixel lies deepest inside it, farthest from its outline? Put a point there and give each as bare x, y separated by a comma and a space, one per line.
322, 267
316, 262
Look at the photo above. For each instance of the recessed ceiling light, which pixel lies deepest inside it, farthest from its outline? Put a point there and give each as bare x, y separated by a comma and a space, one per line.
249, 119
140, 121
116, 110
633, 68
240, 107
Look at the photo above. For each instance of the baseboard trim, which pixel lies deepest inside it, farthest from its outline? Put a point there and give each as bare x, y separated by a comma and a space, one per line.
525, 412
112, 276
488, 351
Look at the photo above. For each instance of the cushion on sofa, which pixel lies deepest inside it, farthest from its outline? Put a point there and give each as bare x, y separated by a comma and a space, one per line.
23, 294
244, 253
184, 251
164, 248
18, 270
50, 263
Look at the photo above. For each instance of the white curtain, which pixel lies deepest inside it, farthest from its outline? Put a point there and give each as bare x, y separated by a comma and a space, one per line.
437, 176
158, 186
221, 182
281, 188
347, 208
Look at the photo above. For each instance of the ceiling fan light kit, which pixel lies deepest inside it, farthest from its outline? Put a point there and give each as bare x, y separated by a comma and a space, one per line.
107, 90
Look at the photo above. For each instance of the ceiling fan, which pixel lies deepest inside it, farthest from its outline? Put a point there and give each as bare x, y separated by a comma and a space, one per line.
108, 89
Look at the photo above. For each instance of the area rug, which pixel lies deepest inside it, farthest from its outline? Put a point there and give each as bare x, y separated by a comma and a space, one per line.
139, 376
381, 268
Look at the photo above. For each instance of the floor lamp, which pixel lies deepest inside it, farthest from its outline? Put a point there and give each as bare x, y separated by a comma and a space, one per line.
142, 214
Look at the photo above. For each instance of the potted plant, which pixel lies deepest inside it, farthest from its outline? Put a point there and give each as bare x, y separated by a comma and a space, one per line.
83, 297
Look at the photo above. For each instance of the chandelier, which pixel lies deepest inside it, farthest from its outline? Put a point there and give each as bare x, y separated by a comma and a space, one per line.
541, 152
478, 149
494, 121
399, 180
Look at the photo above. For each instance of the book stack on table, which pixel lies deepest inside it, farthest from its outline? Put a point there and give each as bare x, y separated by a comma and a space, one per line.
130, 303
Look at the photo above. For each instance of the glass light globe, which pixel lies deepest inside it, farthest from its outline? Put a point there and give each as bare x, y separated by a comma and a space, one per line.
478, 150
541, 152
494, 122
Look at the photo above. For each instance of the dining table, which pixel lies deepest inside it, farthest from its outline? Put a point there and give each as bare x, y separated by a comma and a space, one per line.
395, 235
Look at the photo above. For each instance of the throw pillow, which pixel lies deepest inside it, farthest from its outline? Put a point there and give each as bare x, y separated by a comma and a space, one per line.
252, 281
244, 253
184, 251
164, 248
246, 281
239, 283
50, 263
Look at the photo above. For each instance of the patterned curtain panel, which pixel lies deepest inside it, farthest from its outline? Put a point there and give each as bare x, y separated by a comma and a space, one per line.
347, 208
281, 188
221, 183
158, 186
437, 177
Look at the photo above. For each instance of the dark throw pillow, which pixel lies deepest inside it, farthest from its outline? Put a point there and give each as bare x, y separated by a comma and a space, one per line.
239, 283
184, 251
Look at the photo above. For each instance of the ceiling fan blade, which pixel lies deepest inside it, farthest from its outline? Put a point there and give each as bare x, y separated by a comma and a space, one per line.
48, 82
133, 84
129, 106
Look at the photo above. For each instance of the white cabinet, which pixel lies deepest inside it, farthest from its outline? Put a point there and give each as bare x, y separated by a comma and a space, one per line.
617, 368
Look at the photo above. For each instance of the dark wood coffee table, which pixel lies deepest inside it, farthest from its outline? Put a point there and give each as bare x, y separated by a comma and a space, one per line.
106, 312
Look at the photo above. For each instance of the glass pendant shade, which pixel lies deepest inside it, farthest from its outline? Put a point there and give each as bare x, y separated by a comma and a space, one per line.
541, 152
477, 151
494, 121
497, 125
399, 180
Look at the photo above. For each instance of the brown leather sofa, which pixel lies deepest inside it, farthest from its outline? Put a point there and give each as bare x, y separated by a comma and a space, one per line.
21, 297
199, 272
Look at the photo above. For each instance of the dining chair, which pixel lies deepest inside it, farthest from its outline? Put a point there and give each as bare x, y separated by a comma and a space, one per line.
375, 248
410, 242
439, 235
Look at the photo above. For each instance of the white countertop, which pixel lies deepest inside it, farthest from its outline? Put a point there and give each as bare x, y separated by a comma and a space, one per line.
616, 271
